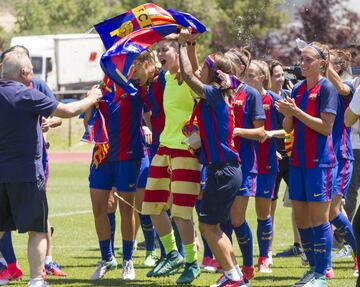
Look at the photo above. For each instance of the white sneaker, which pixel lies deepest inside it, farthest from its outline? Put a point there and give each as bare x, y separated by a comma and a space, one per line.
270, 259
128, 270
356, 273
342, 253
305, 278
304, 260
102, 267
37, 283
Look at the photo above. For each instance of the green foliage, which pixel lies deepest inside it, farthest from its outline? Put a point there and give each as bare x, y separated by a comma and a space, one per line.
229, 22
57, 16
247, 20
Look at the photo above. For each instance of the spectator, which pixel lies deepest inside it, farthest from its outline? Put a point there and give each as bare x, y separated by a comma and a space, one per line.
21, 172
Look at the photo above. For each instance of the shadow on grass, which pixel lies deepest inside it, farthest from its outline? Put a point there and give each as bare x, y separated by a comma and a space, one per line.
277, 278
111, 282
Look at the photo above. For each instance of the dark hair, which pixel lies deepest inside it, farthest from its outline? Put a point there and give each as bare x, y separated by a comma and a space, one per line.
13, 48
273, 64
172, 39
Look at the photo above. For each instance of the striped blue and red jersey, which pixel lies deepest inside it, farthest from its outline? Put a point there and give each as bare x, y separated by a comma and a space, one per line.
248, 108
268, 162
154, 103
123, 119
310, 148
340, 133
280, 144
216, 125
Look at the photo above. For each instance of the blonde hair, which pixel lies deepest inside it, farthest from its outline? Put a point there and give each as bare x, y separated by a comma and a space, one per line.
223, 63
325, 51
149, 57
344, 59
240, 57
264, 69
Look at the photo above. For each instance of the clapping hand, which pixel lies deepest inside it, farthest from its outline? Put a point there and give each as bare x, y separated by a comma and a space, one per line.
286, 106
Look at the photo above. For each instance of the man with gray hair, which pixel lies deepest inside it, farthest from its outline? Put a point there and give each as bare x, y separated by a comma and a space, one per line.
23, 204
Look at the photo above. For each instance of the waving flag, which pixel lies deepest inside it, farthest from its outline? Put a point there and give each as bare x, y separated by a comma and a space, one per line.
96, 129
143, 16
117, 61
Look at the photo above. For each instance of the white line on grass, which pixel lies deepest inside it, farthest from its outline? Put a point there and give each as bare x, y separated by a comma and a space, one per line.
63, 214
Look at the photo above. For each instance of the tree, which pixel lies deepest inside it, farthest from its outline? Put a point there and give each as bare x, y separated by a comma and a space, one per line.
326, 21
243, 22
330, 21
57, 16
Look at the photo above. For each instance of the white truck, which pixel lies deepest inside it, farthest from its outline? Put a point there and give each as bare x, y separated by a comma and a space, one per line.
68, 63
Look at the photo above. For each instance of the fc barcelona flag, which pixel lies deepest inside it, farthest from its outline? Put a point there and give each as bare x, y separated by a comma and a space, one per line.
96, 129
143, 16
117, 61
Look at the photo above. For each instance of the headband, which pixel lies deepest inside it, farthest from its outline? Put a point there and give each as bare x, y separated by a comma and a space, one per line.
301, 44
318, 50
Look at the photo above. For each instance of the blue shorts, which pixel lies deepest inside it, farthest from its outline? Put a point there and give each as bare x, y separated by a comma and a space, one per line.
203, 177
248, 185
120, 174
344, 171
311, 184
222, 184
266, 185
144, 171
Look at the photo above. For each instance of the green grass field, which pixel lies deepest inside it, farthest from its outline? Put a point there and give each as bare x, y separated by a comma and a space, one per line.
76, 247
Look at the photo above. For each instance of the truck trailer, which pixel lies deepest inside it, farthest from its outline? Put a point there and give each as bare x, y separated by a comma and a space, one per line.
68, 63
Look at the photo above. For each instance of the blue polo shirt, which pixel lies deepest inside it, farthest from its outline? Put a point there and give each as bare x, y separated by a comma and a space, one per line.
21, 137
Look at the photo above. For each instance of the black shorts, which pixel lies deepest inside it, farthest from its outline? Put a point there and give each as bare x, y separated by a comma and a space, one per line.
222, 184
23, 206
283, 173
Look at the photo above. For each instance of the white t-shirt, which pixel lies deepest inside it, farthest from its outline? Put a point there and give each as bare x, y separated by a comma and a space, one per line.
356, 82
355, 128
355, 135
355, 102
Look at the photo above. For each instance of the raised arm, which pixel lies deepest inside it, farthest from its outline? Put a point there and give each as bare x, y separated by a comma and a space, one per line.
185, 66
342, 89
191, 49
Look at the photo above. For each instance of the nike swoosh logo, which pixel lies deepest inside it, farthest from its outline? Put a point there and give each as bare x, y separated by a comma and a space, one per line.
266, 191
131, 185
202, 214
317, 194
